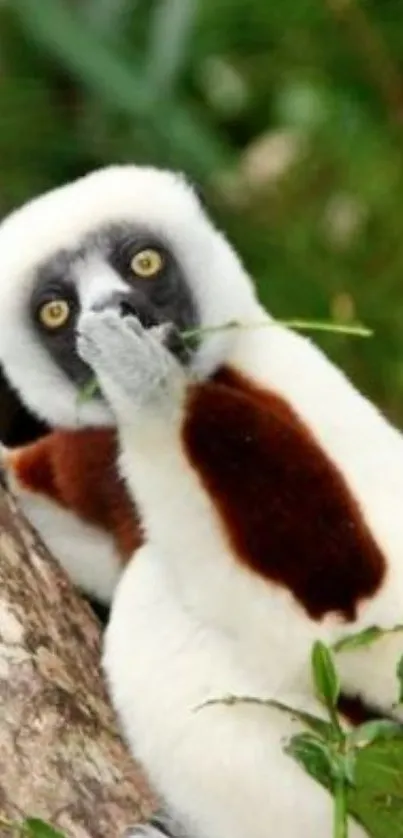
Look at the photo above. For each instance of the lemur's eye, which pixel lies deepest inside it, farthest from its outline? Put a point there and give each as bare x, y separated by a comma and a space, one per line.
54, 314
147, 263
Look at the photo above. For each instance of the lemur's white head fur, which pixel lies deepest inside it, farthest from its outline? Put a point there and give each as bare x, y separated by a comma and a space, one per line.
68, 230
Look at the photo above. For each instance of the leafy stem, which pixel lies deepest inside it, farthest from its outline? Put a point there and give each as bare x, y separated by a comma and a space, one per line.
340, 825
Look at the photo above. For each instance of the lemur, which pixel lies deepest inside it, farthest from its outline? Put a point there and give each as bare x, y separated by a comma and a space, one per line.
267, 487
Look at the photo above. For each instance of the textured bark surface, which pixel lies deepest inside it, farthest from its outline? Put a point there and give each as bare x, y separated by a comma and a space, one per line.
61, 758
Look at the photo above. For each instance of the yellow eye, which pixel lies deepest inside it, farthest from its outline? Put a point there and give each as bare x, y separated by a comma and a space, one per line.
147, 263
54, 314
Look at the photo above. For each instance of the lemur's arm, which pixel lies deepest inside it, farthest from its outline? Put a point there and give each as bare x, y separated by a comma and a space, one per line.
222, 771
224, 474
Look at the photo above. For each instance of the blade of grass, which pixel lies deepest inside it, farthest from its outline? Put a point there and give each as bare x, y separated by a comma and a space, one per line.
300, 325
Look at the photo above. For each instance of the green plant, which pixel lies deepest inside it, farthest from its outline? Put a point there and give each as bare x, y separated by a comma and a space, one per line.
30, 828
361, 768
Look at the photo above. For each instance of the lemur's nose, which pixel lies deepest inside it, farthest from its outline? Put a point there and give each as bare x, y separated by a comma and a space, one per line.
117, 299
130, 303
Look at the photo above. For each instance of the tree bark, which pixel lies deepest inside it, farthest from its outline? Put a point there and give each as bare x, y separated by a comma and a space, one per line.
61, 758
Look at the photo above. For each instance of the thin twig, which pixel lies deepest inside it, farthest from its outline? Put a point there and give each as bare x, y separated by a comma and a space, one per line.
301, 325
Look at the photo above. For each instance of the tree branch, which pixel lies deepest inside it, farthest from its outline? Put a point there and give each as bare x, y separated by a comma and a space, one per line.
61, 758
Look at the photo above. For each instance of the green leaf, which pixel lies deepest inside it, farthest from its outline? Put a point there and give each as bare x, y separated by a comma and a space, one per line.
324, 675
37, 828
313, 754
363, 638
324, 759
399, 672
373, 731
350, 767
372, 772
376, 797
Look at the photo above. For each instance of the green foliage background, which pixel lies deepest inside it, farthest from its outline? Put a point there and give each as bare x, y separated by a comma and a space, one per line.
290, 114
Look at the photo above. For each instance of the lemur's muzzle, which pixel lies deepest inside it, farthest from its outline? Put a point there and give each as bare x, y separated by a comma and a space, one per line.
135, 304
131, 303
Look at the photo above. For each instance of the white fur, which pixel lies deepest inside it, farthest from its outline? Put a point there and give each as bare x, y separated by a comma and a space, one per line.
222, 770
97, 281
197, 625
87, 553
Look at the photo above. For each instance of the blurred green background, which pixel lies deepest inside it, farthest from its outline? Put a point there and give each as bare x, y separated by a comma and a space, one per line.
288, 112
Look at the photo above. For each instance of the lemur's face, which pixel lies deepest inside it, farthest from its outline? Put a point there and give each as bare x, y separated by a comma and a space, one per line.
127, 237
119, 266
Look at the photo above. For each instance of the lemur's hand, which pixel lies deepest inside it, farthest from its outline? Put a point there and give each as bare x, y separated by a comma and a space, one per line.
134, 368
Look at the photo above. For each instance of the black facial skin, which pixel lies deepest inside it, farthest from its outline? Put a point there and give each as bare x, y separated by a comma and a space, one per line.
60, 343
164, 298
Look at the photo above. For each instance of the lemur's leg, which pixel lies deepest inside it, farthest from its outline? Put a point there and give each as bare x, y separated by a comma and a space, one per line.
222, 770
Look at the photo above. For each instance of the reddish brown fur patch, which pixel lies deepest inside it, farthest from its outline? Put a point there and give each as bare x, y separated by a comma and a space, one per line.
288, 513
77, 469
